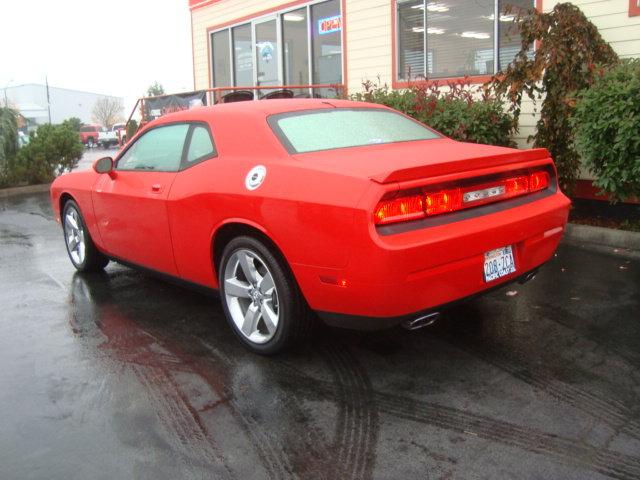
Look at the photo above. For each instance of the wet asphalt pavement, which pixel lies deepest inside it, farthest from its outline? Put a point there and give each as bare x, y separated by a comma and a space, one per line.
123, 375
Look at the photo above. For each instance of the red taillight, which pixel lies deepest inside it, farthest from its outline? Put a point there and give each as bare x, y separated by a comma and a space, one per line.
399, 210
443, 201
538, 181
452, 199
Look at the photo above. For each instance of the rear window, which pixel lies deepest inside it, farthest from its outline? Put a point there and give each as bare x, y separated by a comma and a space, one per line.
315, 130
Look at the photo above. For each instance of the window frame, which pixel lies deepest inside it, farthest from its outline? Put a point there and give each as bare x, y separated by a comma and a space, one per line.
277, 13
272, 121
397, 82
184, 164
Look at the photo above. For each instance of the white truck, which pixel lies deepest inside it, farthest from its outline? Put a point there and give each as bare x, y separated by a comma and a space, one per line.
116, 135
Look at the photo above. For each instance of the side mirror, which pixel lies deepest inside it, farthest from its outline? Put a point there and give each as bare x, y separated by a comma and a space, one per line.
103, 165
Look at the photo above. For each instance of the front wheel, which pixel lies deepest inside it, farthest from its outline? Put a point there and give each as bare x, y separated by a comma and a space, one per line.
260, 298
83, 254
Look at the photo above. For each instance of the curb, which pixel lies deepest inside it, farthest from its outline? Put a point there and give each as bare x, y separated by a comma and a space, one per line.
607, 237
14, 191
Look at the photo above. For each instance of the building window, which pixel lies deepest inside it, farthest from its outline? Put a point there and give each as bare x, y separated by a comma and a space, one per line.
634, 8
455, 38
301, 46
242, 57
295, 41
326, 25
221, 58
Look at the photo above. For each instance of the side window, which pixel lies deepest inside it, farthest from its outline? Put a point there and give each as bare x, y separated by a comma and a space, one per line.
201, 145
159, 149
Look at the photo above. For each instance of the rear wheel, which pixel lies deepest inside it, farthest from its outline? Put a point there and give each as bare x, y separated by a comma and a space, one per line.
260, 298
82, 252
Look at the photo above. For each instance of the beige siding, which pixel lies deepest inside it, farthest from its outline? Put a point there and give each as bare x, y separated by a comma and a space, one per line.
612, 19
368, 42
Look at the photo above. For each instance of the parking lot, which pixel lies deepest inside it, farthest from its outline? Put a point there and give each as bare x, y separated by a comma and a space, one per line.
122, 375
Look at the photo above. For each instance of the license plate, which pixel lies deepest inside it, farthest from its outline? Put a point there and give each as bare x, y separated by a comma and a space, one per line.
498, 263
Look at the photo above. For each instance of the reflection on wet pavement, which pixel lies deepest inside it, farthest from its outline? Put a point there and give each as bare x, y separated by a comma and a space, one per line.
122, 375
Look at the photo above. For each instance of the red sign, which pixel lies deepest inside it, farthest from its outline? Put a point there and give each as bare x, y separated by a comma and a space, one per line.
330, 25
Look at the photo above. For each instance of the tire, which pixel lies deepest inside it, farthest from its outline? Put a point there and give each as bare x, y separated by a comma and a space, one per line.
82, 252
267, 316
90, 142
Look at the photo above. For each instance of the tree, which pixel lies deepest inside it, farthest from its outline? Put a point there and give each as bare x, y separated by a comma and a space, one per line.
53, 149
107, 111
568, 58
74, 123
155, 89
8, 136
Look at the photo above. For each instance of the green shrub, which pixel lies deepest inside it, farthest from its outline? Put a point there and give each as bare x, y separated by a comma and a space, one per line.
53, 149
460, 111
607, 130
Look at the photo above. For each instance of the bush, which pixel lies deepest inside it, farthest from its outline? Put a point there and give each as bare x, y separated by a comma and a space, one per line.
54, 149
462, 112
607, 130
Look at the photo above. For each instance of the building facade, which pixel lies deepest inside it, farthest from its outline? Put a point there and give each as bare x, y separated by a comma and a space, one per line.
62, 103
346, 42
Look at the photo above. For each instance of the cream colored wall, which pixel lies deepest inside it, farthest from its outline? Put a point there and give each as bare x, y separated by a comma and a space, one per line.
368, 42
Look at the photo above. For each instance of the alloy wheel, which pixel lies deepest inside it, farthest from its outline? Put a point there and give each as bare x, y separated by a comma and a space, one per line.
251, 296
74, 236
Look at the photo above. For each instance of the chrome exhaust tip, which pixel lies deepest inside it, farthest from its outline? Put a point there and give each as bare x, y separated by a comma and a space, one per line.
422, 321
528, 277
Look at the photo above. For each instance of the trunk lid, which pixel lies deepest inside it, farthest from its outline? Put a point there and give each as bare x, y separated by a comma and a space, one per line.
405, 161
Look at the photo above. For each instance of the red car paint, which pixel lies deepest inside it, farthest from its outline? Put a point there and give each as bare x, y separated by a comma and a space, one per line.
317, 208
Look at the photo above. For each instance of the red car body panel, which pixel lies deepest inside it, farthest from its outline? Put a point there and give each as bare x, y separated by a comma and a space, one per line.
317, 208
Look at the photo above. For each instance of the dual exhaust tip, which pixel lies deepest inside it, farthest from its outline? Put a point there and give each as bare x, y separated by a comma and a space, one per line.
421, 321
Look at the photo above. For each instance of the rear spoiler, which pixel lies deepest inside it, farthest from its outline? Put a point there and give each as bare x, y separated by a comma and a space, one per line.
462, 165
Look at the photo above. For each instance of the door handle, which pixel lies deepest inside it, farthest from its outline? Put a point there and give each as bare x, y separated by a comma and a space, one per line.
156, 188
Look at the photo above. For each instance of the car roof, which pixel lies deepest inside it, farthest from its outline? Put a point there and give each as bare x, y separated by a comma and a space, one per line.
262, 108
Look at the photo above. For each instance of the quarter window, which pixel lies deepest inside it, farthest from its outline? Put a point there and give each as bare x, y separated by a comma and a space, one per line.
200, 146
457, 37
159, 149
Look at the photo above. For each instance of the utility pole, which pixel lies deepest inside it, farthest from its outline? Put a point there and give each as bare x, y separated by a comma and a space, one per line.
46, 81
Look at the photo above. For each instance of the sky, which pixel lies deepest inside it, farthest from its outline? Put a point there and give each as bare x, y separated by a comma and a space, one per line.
113, 47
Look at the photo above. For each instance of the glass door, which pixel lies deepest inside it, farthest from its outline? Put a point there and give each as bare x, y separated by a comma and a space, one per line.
267, 51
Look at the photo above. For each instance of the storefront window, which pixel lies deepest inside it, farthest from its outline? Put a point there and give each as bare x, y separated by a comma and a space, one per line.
459, 38
242, 56
509, 37
326, 23
267, 53
221, 60
411, 40
275, 50
296, 47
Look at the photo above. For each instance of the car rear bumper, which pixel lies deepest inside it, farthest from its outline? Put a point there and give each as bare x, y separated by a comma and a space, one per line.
395, 277
356, 322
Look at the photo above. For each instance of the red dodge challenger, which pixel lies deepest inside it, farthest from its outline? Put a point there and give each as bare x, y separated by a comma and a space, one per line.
350, 211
